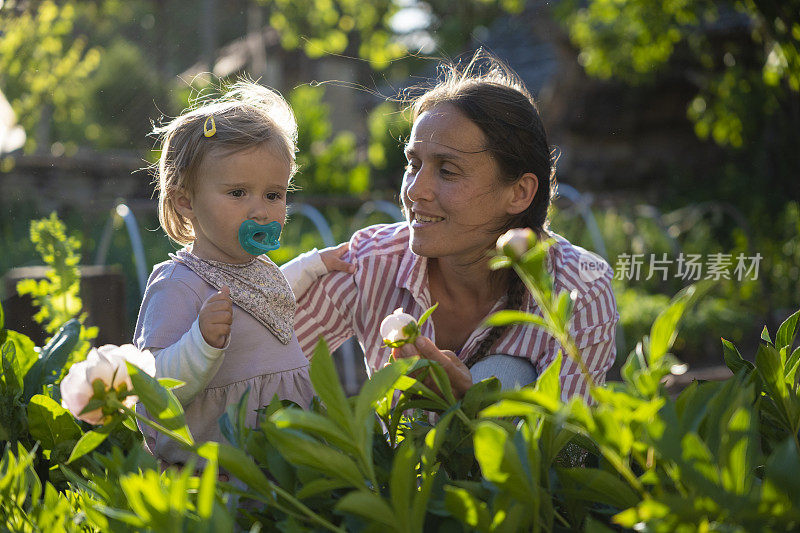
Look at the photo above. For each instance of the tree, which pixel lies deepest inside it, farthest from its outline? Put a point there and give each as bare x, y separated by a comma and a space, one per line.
364, 29
743, 56
43, 66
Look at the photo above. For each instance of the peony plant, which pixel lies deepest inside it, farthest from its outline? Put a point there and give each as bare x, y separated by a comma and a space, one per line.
400, 328
89, 389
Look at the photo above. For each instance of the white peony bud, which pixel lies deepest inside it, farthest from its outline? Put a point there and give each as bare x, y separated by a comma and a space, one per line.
516, 242
106, 364
399, 327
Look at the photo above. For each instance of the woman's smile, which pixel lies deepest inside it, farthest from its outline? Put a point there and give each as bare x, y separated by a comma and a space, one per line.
420, 220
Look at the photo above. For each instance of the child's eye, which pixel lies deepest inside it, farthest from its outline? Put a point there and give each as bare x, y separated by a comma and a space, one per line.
273, 196
237, 193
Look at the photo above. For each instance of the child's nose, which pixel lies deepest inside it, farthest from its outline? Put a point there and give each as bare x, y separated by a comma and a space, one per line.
259, 211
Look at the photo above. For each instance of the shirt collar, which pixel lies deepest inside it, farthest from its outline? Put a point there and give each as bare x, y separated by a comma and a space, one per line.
413, 276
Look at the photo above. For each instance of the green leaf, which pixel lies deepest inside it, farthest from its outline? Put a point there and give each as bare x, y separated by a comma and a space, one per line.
47, 369
315, 424
171, 383
25, 354
441, 379
781, 470
593, 485
509, 317
10, 377
738, 452
207, 490
733, 359
434, 440
499, 460
161, 404
369, 506
665, 328
498, 262
403, 481
92, 439
299, 449
634, 364
326, 384
428, 312
786, 332
480, 395
3, 333
379, 385
238, 463
564, 306
768, 365
765, 335
549, 383
792, 364
49, 423
468, 509
320, 486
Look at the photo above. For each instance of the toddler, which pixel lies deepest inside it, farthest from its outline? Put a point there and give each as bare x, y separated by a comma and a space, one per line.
219, 314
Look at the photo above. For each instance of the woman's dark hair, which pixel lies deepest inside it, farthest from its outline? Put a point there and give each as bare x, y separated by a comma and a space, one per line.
492, 96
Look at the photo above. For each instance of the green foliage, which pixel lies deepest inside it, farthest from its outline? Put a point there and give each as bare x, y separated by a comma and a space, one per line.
701, 229
722, 455
327, 163
335, 27
738, 82
43, 64
57, 296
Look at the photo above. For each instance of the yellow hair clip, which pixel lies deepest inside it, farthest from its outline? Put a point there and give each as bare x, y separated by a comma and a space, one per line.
209, 130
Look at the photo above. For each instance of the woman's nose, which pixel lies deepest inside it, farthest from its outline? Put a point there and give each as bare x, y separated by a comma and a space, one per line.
418, 185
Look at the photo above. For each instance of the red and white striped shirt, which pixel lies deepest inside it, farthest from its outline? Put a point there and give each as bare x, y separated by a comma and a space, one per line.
389, 275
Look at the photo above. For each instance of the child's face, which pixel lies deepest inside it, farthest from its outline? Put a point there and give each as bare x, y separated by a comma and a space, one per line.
232, 188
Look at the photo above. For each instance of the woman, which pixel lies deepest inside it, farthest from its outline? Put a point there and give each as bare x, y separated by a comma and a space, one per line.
478, 164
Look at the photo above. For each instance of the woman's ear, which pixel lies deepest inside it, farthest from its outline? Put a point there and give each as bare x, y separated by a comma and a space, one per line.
523, 193
182, 201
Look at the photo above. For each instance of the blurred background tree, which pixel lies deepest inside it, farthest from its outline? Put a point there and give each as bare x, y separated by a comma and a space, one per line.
742, 57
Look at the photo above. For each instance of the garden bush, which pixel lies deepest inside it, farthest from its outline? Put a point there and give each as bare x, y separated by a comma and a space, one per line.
722, 456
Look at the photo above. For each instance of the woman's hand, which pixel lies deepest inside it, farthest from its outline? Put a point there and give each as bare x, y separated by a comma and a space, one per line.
459, 374
332, 258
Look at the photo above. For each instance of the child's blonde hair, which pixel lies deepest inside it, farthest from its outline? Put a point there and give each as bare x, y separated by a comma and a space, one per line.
247, 115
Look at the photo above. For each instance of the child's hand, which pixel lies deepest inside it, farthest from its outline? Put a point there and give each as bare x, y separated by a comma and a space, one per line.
216, 317
332, 257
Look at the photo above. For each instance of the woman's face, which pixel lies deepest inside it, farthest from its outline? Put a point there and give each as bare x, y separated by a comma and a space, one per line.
452, 196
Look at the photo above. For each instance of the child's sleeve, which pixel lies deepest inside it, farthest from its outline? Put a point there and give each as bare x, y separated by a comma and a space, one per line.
191, 360
168, 326
302, 271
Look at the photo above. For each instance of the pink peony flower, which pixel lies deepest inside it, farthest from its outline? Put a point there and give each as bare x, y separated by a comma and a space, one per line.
515, 242
399, 327
107, 364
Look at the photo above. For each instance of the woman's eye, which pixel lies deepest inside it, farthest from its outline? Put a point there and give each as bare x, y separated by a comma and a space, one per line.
447, 173
412, 166
237, 193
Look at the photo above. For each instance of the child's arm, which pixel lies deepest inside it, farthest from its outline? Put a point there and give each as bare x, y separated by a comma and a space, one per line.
197, 356
305, 269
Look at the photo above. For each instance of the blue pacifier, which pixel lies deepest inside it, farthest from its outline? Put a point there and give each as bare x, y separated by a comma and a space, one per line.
257, 239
